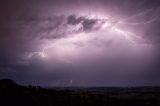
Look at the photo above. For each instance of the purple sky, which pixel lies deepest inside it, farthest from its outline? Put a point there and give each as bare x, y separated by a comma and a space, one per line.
80, 42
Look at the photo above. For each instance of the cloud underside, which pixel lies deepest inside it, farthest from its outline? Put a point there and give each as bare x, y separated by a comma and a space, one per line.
61, 47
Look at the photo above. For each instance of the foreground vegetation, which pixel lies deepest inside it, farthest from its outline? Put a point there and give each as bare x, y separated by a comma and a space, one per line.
12, 94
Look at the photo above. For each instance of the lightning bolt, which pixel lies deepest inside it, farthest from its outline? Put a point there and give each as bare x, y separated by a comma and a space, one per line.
107, 24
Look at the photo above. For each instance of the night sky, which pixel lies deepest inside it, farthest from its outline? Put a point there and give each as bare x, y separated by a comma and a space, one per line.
80, 42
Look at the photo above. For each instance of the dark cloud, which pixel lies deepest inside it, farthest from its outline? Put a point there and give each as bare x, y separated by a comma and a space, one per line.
88, 24
73, 20
26, 26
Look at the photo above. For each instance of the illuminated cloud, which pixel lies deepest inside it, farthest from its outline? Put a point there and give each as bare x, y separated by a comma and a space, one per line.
94, 33
91, 42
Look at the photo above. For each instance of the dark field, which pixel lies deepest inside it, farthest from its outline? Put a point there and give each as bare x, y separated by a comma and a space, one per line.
12, 94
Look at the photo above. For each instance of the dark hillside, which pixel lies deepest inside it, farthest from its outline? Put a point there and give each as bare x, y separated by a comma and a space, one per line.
12, 94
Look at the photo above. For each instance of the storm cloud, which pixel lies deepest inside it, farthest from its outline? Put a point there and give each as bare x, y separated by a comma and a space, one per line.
91, 42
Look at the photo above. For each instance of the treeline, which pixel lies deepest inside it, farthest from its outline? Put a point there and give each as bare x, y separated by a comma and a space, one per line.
12, 94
